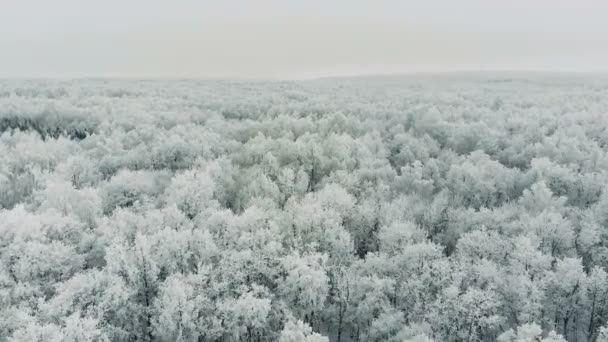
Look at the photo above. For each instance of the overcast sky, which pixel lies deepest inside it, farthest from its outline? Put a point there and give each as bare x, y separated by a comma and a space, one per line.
297, 39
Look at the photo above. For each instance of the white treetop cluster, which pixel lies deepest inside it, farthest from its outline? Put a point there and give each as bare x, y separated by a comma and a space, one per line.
376, 209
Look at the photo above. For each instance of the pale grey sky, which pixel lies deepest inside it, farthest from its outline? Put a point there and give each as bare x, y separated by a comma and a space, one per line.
297, 39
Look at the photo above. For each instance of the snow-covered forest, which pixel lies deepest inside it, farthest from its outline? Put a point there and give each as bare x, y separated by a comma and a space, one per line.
449, 208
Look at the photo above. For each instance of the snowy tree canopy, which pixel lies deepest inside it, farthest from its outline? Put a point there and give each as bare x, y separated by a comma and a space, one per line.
372, 209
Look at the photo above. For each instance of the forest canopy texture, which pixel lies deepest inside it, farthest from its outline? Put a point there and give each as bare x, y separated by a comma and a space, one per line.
469, 208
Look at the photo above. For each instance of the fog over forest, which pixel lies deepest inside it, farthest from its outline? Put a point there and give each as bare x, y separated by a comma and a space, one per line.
464, 207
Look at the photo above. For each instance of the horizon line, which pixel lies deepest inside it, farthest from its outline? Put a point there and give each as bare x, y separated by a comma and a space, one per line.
429, 72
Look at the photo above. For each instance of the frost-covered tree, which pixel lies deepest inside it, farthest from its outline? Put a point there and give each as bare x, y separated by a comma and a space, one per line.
460, 209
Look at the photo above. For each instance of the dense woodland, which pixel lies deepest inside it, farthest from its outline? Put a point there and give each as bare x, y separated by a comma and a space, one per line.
451, 208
